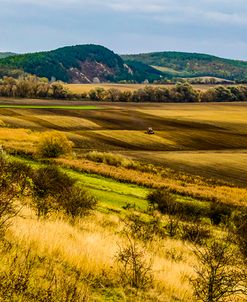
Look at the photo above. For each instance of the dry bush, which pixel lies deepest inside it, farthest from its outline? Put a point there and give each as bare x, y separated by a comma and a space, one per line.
77, 202
134, 270
219, 213
241, 233
54, 144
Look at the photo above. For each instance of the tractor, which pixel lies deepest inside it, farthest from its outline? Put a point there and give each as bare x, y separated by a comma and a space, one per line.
150, 130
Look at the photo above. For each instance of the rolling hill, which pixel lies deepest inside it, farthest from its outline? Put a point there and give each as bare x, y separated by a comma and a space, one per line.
181, 64
80, 64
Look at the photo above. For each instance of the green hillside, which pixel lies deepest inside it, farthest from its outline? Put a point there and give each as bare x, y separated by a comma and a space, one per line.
79, 64
180, 64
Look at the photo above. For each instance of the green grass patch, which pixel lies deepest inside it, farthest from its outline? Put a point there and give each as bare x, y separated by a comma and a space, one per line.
50, 107
111, 193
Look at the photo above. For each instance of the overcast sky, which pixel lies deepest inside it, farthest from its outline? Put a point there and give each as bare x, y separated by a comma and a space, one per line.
216, 27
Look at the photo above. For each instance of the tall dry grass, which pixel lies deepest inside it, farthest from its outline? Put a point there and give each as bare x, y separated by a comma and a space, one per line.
91, 245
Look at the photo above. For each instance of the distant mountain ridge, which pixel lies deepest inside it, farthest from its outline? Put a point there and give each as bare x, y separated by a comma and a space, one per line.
94, 63
182, 64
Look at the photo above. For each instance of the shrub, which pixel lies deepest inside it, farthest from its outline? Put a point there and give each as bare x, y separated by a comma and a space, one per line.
142, 229
77, 202
111, 159
54, 144
55, 190
166, 203
49, 185
163, 201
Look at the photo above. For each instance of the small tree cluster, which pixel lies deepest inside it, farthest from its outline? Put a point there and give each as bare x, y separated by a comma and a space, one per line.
182, 92
225, 94
30, 86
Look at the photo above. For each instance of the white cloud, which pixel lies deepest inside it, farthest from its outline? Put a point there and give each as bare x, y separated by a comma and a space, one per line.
168, 11
188, 21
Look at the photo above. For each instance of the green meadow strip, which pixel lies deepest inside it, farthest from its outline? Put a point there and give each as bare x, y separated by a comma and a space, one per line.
50, 107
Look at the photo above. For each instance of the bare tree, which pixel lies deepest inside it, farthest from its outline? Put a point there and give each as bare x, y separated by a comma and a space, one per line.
134, 269
220, 272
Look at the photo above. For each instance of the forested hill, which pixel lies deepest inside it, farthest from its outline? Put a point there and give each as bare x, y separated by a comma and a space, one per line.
80, 64
183, 64
6, 54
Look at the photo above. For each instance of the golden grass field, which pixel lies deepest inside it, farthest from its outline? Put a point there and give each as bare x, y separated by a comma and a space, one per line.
91, 246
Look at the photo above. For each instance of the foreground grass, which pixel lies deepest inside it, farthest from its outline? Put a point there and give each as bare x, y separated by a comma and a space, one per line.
90, 246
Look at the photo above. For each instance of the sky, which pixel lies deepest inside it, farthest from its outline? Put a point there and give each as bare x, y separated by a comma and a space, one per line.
215, 27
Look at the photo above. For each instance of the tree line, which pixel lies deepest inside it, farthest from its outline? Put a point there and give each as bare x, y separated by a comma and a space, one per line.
35, 87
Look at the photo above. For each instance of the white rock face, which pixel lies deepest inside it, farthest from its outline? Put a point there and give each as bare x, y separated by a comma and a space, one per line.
96, 80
